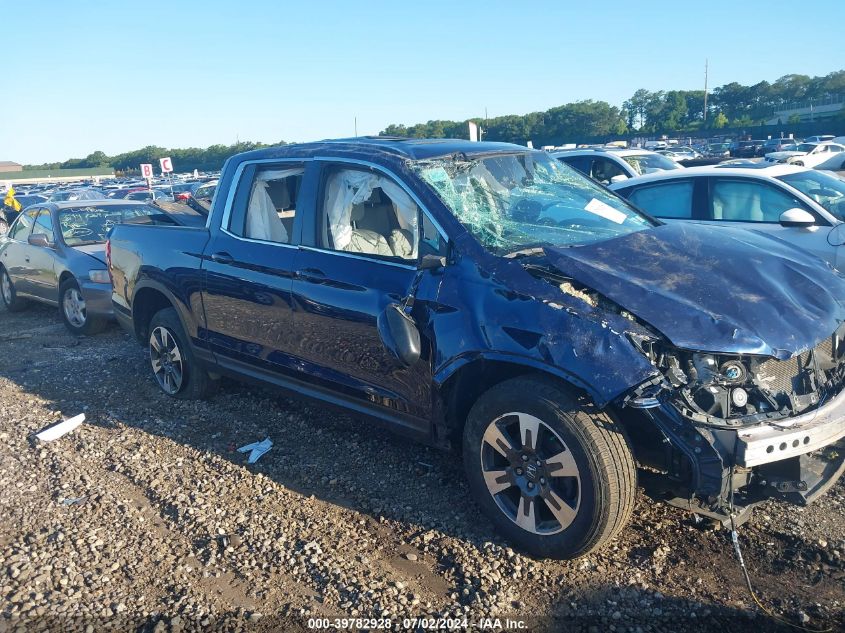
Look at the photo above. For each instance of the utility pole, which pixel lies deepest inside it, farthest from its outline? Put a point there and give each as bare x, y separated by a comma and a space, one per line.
356, 127
705, 88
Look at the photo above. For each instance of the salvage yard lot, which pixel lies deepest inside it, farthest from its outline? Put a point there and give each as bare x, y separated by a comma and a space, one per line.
148, 514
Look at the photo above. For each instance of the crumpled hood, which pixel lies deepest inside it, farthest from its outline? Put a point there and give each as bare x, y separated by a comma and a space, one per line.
97, 251
718, 290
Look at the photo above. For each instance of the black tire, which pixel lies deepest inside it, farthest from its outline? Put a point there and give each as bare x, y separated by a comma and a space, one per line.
79, 323
194, 383
599, 454
798, 163
8, 295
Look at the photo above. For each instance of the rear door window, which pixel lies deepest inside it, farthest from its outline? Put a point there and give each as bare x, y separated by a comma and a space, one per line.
672, 200
581, 163
270, 204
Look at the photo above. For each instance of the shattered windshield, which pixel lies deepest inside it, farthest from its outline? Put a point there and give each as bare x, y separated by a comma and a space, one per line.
649, 163
516, 202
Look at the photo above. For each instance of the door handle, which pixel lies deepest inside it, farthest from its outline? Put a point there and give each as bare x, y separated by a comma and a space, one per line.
222, 258
313, 274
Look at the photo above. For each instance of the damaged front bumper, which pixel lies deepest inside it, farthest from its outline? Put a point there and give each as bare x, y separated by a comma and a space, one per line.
710, 470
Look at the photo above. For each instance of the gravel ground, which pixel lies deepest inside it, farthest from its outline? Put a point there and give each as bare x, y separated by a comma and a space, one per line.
147, 518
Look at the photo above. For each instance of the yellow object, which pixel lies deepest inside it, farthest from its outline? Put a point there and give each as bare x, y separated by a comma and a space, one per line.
10, 200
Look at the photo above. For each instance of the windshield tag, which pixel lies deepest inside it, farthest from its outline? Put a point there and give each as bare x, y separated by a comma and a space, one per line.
605, 210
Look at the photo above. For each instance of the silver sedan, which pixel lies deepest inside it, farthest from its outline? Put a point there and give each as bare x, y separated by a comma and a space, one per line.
54, 253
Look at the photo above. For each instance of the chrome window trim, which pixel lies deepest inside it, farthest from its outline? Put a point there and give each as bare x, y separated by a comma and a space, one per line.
236, 180
255, 241
396, 179
366, 258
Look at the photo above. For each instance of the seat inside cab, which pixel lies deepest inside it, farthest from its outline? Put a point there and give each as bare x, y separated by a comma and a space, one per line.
369, 214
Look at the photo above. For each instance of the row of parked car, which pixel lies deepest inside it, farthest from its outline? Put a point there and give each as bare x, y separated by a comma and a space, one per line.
492, 298
194, 192
795, 203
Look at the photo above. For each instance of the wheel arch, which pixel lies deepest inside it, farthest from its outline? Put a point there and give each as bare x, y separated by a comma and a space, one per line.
461, 386
64, 276
147, 301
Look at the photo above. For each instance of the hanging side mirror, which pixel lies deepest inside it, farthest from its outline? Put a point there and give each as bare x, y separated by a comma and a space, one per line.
399, 334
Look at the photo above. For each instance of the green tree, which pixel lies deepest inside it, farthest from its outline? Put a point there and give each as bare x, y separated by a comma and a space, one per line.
719, 121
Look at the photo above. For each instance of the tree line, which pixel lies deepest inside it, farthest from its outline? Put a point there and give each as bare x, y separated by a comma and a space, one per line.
673, 111
188, 159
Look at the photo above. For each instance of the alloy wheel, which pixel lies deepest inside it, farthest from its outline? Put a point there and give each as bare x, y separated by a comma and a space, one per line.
74, 307
6, 287
530, 473
166, 360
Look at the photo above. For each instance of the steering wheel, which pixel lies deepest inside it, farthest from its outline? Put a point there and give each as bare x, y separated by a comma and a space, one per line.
80, 231
827, 193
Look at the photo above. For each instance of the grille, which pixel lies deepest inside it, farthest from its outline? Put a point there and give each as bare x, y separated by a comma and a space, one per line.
787, 376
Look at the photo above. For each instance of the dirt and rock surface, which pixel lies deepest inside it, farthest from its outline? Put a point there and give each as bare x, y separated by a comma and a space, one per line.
147, 518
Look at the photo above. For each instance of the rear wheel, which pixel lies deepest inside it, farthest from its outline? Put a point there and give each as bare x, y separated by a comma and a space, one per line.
74, 311
555, 476
175, 370
10, 298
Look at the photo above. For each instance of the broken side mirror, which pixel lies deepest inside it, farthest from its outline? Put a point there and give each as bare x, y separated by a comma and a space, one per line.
39, 239
797, 218
432, 262
399, 334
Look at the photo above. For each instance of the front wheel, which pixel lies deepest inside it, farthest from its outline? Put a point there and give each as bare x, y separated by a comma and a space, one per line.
10, 297
74, 311
555, 476
175, 370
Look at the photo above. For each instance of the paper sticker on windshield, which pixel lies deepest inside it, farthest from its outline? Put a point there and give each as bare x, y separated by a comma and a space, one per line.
605, 210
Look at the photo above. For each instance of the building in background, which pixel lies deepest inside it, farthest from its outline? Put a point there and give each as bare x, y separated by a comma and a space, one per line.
7, 166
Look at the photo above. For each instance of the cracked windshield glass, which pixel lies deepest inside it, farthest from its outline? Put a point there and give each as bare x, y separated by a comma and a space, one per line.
518, 202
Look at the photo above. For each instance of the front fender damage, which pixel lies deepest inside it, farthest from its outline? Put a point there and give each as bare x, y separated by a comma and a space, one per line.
480, 313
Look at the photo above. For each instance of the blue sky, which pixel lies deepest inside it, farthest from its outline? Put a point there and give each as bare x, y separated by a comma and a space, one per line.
114, 76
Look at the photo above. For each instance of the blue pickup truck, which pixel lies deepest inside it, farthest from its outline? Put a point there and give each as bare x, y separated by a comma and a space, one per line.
486, 296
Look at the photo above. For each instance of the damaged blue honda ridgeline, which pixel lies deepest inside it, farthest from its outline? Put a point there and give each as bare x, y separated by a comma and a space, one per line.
489, 296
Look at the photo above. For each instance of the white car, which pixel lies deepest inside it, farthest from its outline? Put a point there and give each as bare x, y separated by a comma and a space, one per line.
613, 165
680, 154
805, 207
807, 154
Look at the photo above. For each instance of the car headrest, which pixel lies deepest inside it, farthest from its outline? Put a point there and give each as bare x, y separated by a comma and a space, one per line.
357, 213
